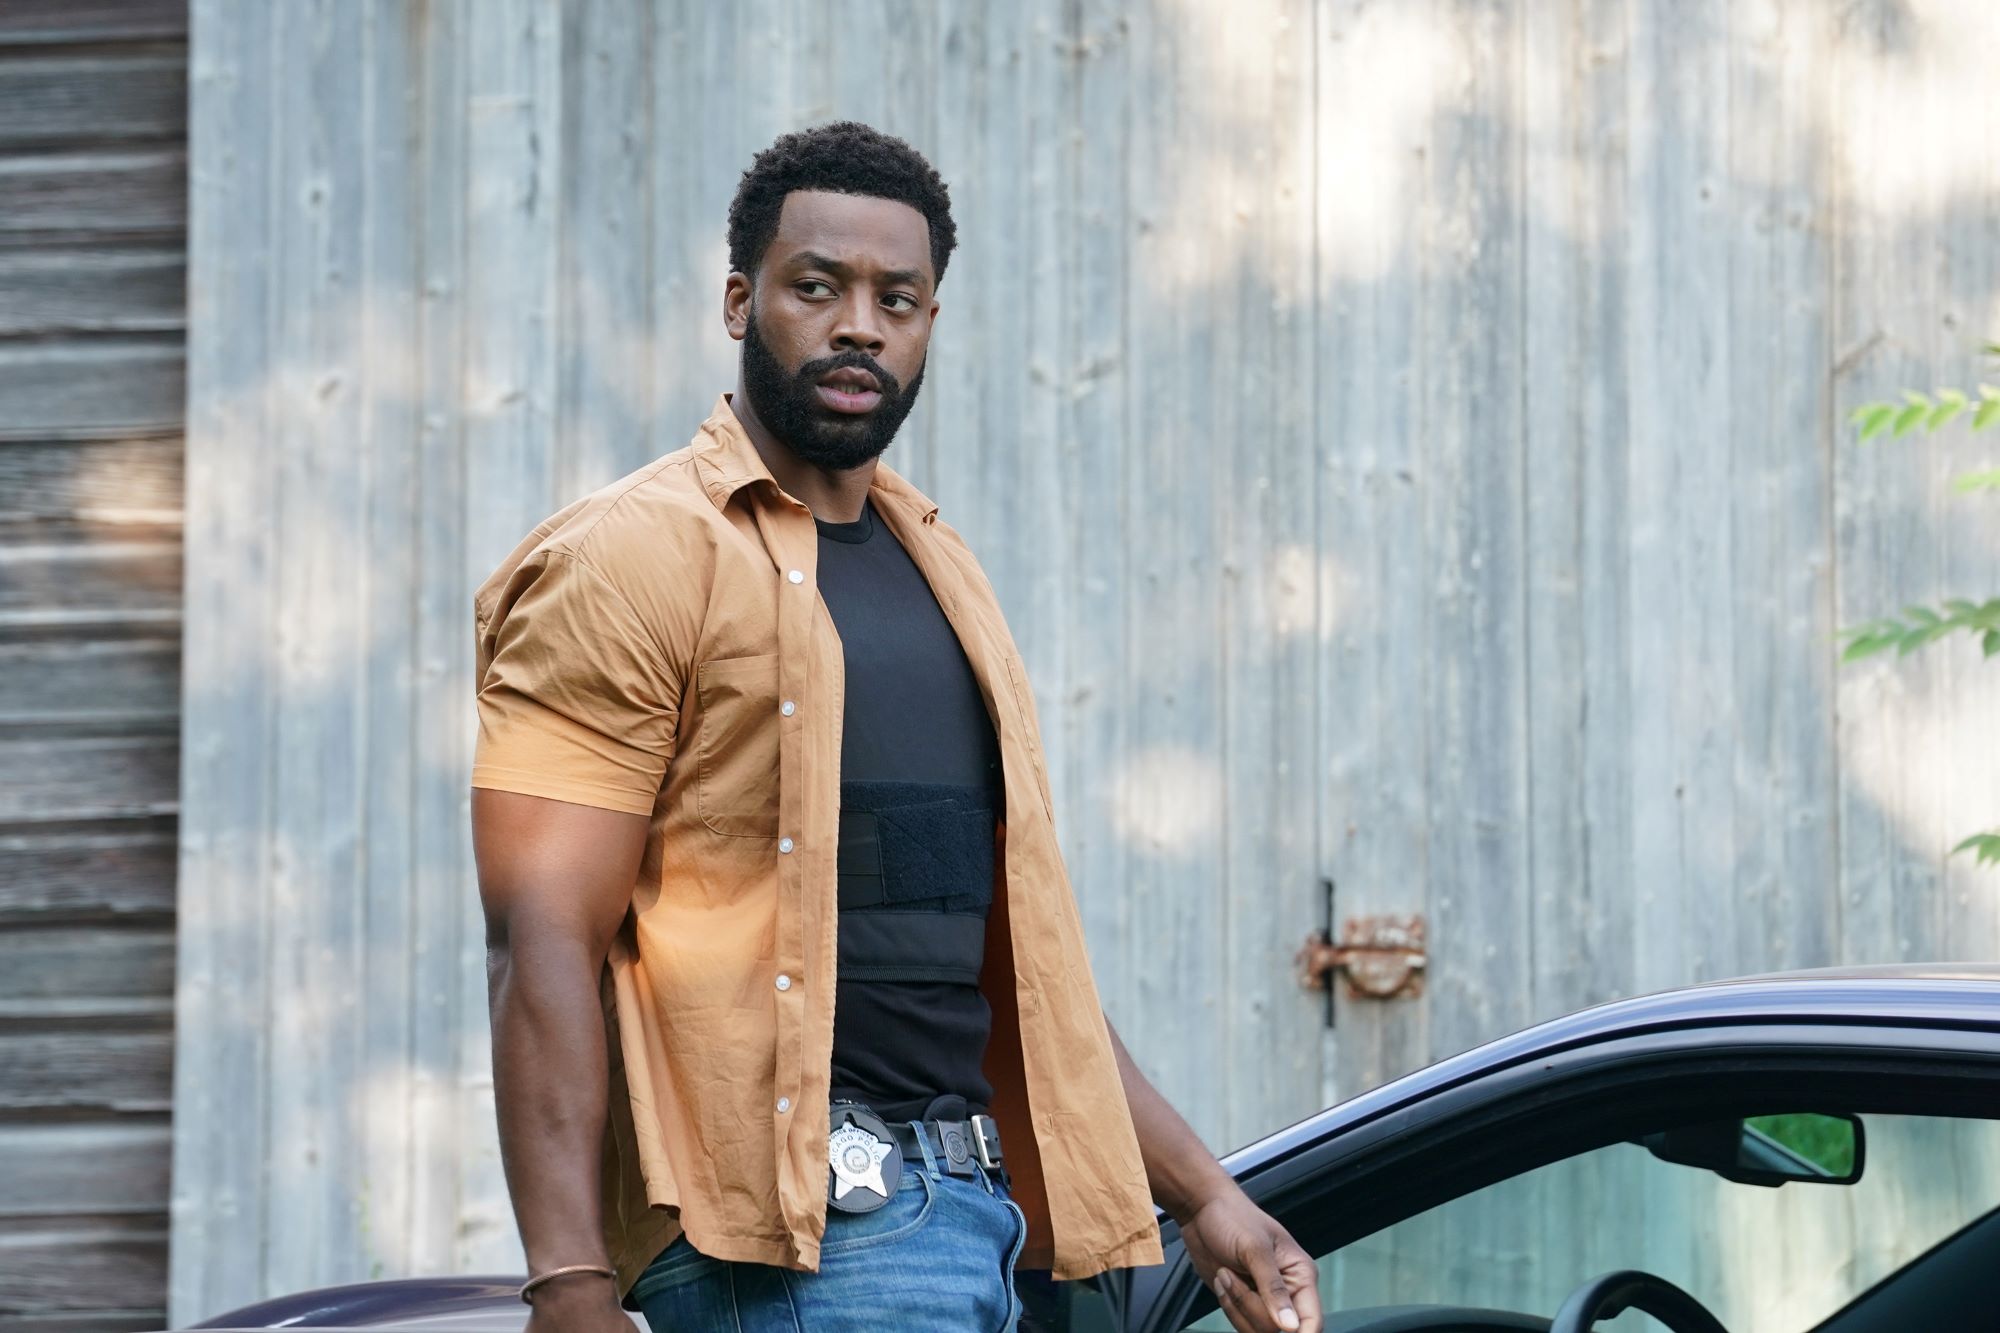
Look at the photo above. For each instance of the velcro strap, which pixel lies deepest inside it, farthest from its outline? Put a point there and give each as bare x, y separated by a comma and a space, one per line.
907, 843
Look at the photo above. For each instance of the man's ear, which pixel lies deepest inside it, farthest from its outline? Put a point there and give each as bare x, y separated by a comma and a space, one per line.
736, 305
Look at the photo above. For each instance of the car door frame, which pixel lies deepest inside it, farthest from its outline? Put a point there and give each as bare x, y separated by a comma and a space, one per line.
1332, 1183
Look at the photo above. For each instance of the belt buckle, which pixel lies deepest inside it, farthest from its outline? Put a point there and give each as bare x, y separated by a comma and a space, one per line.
987, 1152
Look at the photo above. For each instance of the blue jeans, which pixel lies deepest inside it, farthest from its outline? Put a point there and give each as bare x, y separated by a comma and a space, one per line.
938, 1256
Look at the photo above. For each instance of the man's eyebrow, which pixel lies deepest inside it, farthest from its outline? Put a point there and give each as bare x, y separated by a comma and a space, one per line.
908, 277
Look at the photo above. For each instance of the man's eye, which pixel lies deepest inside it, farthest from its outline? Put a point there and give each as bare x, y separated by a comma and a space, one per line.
902, 296
815, 283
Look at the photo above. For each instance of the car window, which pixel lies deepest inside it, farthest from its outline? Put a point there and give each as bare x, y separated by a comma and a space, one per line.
1758, 1257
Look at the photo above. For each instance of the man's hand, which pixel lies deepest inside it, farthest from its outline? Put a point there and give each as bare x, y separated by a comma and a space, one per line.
578, 1303
1263, 1280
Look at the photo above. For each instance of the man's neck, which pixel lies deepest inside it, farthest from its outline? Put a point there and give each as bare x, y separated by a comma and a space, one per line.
833, 496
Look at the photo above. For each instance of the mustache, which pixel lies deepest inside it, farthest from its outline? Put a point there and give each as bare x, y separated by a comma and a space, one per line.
812, 371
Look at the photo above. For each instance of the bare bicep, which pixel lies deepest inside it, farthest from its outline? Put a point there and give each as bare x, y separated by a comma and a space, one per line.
554, 866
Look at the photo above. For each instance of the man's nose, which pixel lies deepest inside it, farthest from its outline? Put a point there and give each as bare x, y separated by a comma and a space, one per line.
859, 326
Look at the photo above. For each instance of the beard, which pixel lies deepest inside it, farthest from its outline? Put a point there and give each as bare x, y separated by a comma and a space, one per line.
788, 404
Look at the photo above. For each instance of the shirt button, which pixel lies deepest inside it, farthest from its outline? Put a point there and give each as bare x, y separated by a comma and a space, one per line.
788, 708
784, 1105
796, 577
784, 844
784, 982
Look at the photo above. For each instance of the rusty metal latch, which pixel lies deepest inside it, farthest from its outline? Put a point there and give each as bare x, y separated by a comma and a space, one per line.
1380, 957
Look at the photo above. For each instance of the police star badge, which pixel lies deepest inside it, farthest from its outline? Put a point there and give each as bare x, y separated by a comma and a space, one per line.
866, 1165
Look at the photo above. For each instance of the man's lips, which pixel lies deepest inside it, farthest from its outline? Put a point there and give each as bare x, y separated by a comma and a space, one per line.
841, 398
850, 389
850, 377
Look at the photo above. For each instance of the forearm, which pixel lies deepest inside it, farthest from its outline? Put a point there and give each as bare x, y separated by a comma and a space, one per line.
549, 1084
1180, 1170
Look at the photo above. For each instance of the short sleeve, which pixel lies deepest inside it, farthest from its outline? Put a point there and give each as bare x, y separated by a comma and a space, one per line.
576, 699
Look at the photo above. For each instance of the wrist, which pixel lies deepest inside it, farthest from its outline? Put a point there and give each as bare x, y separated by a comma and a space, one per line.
1186, 1198
571, 1289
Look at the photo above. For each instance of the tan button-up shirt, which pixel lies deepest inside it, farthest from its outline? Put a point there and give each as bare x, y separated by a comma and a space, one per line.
660, 647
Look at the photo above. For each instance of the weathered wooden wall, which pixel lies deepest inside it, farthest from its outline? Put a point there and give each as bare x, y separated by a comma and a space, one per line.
93, 125
1408, 440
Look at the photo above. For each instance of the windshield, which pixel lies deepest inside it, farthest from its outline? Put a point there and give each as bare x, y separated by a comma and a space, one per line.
1763, 1260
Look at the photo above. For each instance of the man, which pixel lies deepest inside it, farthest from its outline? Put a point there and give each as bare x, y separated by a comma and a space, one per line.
792, 1021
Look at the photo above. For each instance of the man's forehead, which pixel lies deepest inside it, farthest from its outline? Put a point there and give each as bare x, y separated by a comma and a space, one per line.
861, 231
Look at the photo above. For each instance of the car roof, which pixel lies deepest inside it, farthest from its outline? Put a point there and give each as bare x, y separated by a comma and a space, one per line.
1908, 995
1987, 972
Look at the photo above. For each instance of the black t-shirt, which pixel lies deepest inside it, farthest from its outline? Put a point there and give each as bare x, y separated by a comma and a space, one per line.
920, 790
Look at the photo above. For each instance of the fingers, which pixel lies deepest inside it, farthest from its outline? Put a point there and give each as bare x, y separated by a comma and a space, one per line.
1272, 1289
1302, 1279
1241, 1305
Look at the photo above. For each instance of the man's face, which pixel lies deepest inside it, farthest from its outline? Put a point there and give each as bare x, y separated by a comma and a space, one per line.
836, 325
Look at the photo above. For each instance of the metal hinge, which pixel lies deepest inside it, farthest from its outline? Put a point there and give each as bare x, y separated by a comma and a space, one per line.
1380, 957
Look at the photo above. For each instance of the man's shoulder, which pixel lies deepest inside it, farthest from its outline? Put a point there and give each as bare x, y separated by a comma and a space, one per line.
661, 505
628, 530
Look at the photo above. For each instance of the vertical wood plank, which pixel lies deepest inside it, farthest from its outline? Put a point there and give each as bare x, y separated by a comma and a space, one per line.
953, 371
1683, 827
1470, 377
914, 88
688, 257
1169, 796
1888, 301
444, 913
315, 828
1028, 462
1971, 556
1374, 744
385, 1151
1782, 428
221, 1075
604, 284
1263, 478
1574, 389
990, 455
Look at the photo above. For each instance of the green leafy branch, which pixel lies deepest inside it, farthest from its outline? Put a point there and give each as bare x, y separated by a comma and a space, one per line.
1984, 847
1931, 411
1920, 625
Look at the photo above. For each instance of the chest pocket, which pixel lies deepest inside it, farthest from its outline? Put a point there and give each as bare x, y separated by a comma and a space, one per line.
736, 769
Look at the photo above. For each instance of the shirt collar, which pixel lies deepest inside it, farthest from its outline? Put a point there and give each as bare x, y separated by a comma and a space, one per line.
727, 461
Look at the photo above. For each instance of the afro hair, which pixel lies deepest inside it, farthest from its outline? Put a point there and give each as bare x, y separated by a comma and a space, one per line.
845, 157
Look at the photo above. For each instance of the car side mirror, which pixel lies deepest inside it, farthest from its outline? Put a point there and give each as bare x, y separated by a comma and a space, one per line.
1811, 1148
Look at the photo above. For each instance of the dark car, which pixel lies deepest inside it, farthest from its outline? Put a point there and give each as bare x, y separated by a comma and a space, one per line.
1812, 1151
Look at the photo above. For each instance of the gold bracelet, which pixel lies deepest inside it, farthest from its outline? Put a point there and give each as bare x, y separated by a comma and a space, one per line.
533, 1282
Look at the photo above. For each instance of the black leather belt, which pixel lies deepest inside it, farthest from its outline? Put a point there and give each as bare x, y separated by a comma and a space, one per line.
962, 1146
866, 1156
